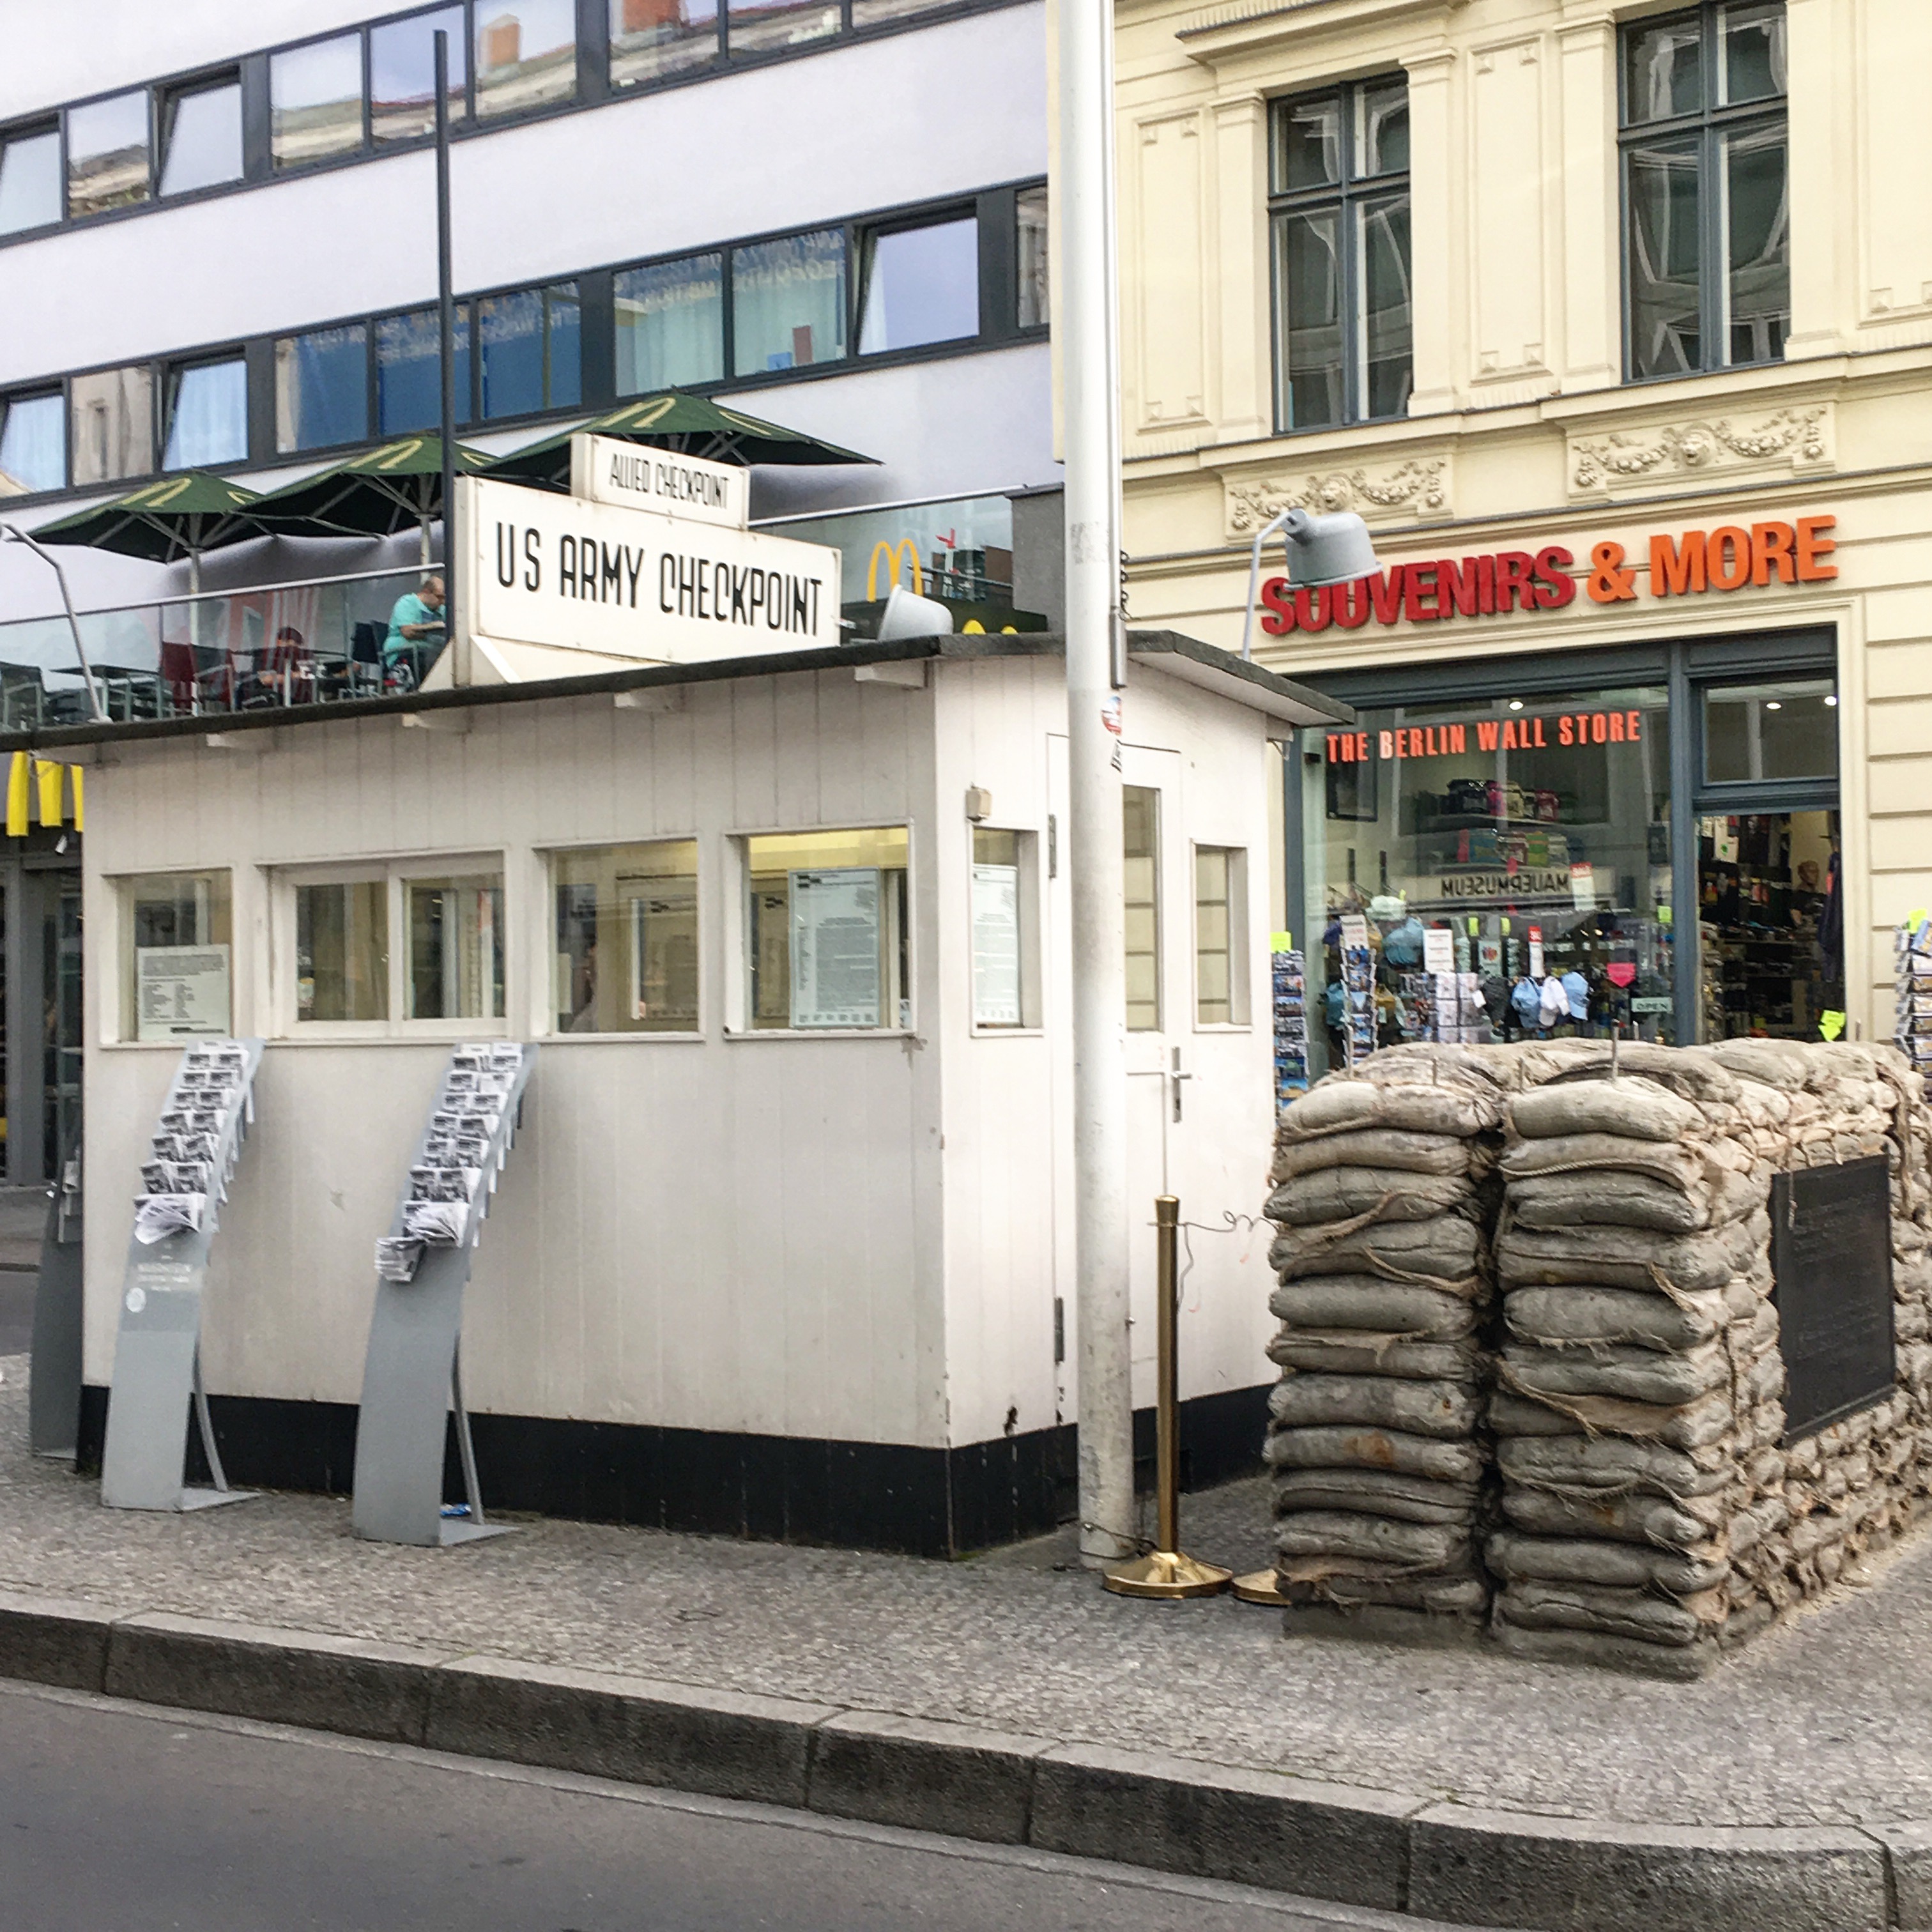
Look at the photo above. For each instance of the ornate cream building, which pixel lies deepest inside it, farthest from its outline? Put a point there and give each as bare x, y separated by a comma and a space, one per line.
1615, 322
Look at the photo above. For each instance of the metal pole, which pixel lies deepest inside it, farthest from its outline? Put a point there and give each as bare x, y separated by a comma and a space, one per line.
1095, 832
446, 331
9, 532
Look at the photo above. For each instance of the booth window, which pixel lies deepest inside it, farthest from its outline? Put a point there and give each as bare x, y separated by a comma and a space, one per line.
453, 963
530, 344
315, 101
1339, 211
626, 955
1005, 960
112, 423
670, 325
919, 285
322, 389
177, 948
525, 55
788, 302
1141, 812
200, 135
30, 180
33, 443
1030, 204
402, 74
1779, 729
208, 414
1220, 936
342, 950
1707, 215
107, 154
826, 944
652, 39
409, 370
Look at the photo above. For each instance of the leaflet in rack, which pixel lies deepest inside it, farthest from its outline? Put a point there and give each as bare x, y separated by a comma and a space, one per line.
191, 1159
463, 1152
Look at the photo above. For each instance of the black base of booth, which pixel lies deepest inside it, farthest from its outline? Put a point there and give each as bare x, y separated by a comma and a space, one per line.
861, 1495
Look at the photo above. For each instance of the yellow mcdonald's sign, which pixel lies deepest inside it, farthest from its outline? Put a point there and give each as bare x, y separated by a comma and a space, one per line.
906, 549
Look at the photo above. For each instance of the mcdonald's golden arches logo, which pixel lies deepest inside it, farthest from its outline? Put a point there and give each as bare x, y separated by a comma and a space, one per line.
906, 549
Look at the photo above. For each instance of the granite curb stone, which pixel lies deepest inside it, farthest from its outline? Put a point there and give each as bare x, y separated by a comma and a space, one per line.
1352, 1845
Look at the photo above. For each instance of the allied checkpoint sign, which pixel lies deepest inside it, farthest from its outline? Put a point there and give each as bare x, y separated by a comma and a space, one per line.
645, 585
607, 469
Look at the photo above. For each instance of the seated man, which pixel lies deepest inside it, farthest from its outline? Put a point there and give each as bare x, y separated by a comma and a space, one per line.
416, 619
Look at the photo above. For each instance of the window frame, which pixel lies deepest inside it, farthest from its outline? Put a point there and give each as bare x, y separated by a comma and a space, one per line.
35, 129
287, 1027
11, 399
1030, 1023
156, 371
861, 245
1346, 197
1157, 907
167, 394
1709, 126
164, 107
543, 854
1239, 999
120, 1019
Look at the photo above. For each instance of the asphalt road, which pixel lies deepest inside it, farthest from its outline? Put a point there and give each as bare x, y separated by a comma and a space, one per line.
122, 1818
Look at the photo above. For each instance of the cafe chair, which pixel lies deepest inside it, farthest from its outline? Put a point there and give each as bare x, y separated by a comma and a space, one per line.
365, 659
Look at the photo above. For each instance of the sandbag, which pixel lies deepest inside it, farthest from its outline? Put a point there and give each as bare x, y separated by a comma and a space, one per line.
1367, 1301
1384, 1194
1685, 1164
1691, 1426
1684, 1663
1691, 1523
1583, 1463
1689, 1072
1337, 1106
1635, 1109
1628, 1566
1614, 1197
1630, 1375
1449, 1252
1392, 1449
1351, 1351
1772, 1062
1377, 1492
1443, 1409
1572, 1317
1462, 1598
1632, 1257
1375, 1147
1332, 1537
1537, 1604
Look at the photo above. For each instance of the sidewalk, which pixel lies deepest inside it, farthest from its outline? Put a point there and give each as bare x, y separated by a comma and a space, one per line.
1782, 1792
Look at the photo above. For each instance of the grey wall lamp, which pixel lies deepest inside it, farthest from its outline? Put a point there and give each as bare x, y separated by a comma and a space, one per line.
1321, 550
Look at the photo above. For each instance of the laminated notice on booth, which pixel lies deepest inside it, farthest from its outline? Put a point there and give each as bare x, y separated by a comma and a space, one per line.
180, 991
996, 946
834, 947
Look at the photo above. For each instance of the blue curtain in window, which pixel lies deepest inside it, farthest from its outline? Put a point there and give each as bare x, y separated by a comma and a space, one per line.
323, 396
409, 392
33, 443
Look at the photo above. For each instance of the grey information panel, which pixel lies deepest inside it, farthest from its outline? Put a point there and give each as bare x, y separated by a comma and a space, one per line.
157, 1357
1831, 1255
413, 1375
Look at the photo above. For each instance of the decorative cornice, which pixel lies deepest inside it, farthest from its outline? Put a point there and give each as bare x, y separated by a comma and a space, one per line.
1417, 490
1794, 439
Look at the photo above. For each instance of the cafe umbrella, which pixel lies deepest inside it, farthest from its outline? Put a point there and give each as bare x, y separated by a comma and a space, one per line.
394, 487
179, 517
691, 425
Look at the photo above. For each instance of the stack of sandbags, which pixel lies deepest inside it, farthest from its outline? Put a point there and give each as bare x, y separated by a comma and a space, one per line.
1383, 1194
1637, 1412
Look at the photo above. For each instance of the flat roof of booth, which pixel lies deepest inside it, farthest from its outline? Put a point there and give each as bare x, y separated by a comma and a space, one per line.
1236, 679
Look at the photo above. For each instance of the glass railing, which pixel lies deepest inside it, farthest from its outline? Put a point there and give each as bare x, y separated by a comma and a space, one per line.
316, 642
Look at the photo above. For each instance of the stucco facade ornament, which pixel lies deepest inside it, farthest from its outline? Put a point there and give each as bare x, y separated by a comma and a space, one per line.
1417, 489
1798, 438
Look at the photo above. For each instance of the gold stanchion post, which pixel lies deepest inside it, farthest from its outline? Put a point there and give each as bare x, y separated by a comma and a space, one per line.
1165, 1571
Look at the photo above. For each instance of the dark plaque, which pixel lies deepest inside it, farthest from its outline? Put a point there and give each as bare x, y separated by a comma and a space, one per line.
1831, 1255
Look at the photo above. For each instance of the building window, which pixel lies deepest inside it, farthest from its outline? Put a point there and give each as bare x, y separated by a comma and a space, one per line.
322, 389
826, 933
652, 39
201, 136
764, 26
670, 325
1706, 189
33, 443
315, 101
525, 54
176, 950
30, 181
1141, 810
408, 371
1030, 206
919, 285
1220, 936
626, 956
874, 12
107, 154
113, 413
531, 346
1005, 989
342, 951
788, 302
1787, 729
208, 414
402, 74
1339, 205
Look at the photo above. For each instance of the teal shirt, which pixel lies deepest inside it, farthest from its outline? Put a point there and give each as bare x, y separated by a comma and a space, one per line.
410, 609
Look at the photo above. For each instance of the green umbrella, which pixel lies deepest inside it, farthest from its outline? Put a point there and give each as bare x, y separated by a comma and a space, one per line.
692, 425
380, 494
179, 516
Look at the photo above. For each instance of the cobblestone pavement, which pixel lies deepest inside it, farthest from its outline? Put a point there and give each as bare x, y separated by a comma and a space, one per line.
1826, 1721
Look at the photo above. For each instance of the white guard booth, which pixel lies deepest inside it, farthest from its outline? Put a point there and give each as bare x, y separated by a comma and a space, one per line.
785, 1247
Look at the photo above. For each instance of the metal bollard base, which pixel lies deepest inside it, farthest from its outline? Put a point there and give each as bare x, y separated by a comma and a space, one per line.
1259, 1586
1167, 1574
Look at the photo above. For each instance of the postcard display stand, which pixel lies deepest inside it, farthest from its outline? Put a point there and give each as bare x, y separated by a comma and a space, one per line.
414, 1375
157, 1357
